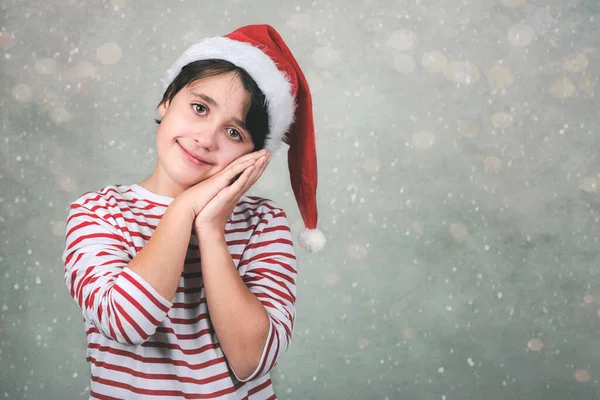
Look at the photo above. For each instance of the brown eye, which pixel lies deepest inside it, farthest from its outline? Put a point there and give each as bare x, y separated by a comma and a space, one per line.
199, 109
234, 134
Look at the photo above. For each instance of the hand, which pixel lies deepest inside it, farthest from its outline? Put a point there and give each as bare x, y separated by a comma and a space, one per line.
214, 215
198, 196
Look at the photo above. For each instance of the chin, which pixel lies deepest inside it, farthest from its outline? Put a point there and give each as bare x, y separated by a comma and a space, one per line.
188, 183
185, 180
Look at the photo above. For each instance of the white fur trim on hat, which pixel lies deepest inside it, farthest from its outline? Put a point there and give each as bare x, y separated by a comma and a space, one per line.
274, 84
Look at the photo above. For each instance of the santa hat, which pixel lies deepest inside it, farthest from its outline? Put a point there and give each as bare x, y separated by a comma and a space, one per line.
262, 53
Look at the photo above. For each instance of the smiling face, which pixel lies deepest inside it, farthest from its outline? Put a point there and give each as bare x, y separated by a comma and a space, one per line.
201, 132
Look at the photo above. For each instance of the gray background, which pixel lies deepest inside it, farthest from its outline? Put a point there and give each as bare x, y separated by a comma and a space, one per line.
459, 186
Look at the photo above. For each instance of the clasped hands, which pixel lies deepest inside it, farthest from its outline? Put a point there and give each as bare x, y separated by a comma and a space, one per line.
213, 200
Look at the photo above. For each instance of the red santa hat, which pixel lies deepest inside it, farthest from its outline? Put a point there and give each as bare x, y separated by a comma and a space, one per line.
261, 52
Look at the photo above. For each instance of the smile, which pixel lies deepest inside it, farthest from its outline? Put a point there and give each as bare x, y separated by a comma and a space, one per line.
191, 158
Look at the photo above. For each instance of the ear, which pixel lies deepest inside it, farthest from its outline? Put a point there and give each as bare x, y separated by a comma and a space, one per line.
162, 108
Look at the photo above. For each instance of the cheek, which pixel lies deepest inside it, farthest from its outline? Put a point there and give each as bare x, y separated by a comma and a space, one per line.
226, 160
161, 137
164, 140
169, 128
235, 153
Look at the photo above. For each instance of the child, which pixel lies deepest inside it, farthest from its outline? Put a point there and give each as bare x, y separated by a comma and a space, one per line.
187, 287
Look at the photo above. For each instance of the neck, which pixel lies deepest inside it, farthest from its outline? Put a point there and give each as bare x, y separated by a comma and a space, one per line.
159, 183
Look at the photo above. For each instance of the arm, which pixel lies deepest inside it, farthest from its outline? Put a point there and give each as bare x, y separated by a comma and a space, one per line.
126, 298
253, 317
161, 260
270, 274
113, 297
239, 318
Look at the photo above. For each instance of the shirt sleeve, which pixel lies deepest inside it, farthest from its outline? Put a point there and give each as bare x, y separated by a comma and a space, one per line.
271, 276
112, 297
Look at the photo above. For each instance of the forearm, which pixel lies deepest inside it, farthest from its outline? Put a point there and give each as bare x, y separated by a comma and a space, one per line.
238, 317
161, 260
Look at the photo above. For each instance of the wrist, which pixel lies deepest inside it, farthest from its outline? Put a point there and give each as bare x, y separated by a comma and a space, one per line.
209, 231
182, 209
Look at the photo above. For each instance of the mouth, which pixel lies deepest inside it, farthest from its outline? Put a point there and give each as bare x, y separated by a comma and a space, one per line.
194, 159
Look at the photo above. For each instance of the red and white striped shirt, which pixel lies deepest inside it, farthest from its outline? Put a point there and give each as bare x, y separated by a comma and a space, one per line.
141, 345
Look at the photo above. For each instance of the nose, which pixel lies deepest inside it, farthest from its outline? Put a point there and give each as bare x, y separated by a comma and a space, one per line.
206, 136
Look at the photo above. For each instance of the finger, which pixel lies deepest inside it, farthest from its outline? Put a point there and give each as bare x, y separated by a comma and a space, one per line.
239, 165
260, 167
233, 171
237, 170
240, 183
231, 192
236, 190
235, 178
212, 186
255, 155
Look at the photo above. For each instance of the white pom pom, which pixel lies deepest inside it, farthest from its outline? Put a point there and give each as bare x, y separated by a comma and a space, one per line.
312, 240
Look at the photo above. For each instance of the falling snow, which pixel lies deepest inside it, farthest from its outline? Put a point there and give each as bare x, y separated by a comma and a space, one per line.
458, 187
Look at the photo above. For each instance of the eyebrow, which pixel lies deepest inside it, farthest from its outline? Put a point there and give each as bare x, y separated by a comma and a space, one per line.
213, 103
206, 98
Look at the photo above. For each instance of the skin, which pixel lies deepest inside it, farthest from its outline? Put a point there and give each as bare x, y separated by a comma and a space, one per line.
205, 119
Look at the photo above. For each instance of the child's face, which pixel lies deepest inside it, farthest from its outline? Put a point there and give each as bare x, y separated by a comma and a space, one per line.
202, 130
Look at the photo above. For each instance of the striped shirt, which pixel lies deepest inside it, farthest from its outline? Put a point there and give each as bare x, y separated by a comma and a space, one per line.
143, 346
